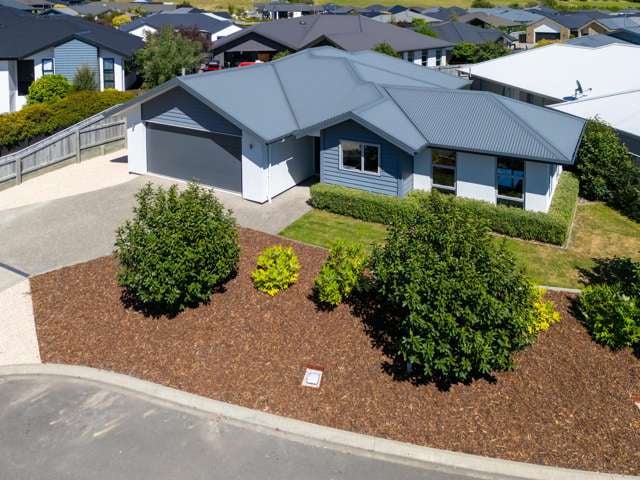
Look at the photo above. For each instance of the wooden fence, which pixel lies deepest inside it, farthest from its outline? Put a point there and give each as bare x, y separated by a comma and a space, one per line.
81, 141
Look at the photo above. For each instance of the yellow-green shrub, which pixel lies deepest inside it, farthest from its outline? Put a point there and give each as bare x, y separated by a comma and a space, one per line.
545, 314
277, 270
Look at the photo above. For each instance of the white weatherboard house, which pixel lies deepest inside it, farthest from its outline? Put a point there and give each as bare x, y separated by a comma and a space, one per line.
360, 120
208, 24
32, 46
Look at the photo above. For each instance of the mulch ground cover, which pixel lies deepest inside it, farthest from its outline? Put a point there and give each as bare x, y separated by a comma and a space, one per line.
568, 403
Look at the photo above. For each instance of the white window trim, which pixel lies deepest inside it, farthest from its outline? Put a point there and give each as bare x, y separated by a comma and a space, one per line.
113, 65
361, 170
524, 185
437, 186
53, 66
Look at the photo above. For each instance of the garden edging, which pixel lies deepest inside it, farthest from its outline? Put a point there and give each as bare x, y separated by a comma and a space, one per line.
358, 444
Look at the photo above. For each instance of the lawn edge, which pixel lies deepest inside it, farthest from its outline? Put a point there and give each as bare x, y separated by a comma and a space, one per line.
308, 433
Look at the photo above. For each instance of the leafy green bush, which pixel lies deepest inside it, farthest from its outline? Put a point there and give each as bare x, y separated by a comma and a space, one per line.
471, 53
85, 79
177, 249
606, 171
612, 318
621, 270
37, 120
386, 49
277, 270
552, 227
463, 305
340, 273
47, 89
545, 313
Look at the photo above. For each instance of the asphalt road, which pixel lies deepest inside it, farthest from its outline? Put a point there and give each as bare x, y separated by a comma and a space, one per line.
52, 234
73, 429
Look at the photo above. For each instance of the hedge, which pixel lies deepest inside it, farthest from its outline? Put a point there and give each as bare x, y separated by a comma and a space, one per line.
33, 122
552, 227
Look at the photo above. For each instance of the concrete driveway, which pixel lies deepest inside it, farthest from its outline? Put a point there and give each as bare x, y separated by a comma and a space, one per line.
73, 429
54, 233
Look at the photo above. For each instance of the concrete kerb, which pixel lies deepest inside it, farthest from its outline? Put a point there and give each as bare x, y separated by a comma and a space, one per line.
325, 437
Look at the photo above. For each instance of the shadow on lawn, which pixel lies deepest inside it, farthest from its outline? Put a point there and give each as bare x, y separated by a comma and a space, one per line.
383, 327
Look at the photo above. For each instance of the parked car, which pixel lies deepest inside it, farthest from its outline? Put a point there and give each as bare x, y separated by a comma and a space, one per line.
211, 67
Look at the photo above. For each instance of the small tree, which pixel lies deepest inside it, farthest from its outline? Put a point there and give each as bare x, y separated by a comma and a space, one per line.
482, 4
177, 249
461, 302
48, 88
84, 79
120, 20
386, 49
465, 52
606, 171
164, 56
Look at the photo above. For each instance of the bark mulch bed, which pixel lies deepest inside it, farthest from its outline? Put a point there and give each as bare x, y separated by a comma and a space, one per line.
568, 403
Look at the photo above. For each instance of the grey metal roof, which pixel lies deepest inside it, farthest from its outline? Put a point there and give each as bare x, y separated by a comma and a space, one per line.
621, 21
23, 34
457, 32
349, 32
251, 46
511, 14
628, 35
488, 19
411, 106
594, 41
97, 8
575, 20
201, 21
15, 4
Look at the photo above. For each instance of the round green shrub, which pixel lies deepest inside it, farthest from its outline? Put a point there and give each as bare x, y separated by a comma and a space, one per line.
340, 273
612, 318
277, 270
461, 302
179, 246
48, 88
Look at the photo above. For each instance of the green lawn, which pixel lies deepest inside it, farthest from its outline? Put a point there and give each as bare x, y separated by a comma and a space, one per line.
599, 231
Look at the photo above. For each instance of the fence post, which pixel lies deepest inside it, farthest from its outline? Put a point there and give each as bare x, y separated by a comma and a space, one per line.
18, 170
77, 137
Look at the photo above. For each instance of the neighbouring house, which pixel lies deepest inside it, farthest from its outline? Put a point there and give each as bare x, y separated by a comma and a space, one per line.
564, 26
405, 17
276, 11
560, 72
442, 13
347, 32
485, 20
620, 110
372, 122
94, 9
211, 26
32, 46
458, 32
516, 15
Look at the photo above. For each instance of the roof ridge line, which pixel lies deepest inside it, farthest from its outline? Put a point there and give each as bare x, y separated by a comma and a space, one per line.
286, 97
408, 117
527, 127
432, 85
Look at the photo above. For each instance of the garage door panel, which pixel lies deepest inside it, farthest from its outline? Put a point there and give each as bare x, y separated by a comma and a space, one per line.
209, 158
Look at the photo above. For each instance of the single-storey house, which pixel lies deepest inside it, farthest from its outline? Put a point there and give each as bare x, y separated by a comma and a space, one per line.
405, 17
485, 20
563, 27
516, 15
276, 10
347, 32
94, 9
209, 25
458, 32
620, 110
32, 46
560, 72
372, 122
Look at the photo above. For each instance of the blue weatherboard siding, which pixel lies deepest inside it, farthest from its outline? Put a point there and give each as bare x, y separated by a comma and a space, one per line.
394, 162
180, 109
74, 54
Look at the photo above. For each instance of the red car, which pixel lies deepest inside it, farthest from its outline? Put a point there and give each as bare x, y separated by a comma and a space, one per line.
211, 67
247, 64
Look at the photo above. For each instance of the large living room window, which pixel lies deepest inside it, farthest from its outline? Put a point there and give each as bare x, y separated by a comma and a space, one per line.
443, 170
362, 157
510, 181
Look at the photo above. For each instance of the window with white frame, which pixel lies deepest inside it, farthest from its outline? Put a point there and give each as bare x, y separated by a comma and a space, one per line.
438, 57
410, 56
443, 170
47, 66
108, 73
510, 181
361, 157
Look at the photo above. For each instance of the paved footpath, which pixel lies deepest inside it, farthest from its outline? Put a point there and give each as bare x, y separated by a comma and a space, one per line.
58, 428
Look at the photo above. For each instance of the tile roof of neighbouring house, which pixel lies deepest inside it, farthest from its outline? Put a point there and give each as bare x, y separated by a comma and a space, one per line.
457, 32
349, 32
23, 34
201, 21
411, 106
552, 71
620, 110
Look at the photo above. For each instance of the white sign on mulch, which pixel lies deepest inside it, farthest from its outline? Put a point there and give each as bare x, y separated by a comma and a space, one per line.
312, 378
